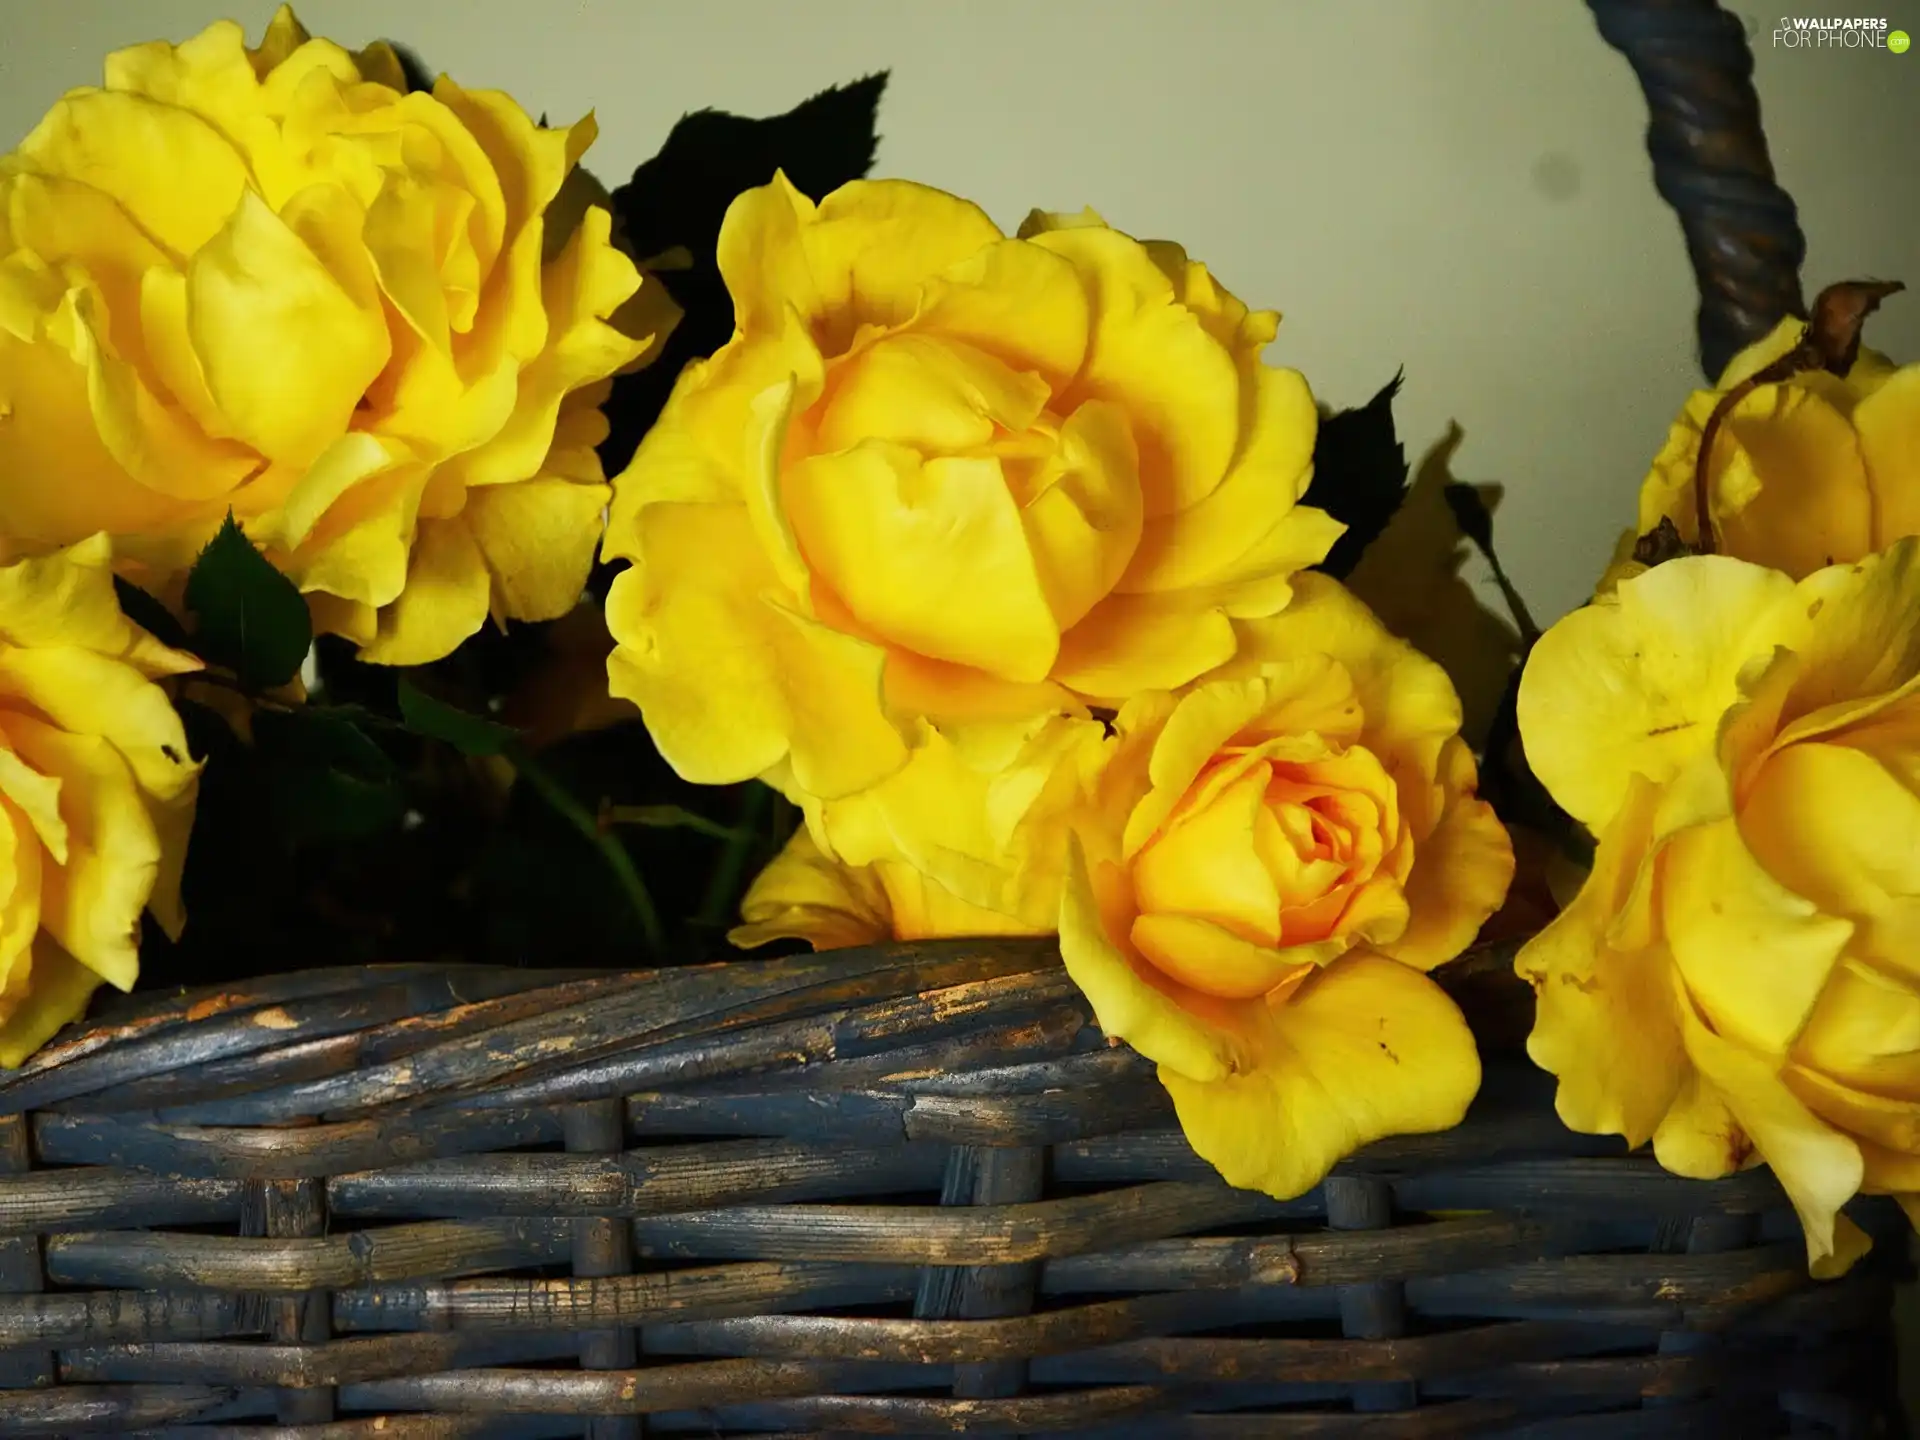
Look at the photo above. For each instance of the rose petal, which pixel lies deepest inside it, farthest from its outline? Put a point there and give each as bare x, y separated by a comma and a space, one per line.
538, 540
1207, 866
1461, 872
1754, 954
174, 174
1195, 545
731, 680
1818, 1167
1014, 300
445, 599
58, 989
1212, 959
802, 895
1604, 1021
1637, 683
92, 903
1364, 1049
1796, 456
1155, 359
1130, 643
929, 555
1130, 1001
1888, 424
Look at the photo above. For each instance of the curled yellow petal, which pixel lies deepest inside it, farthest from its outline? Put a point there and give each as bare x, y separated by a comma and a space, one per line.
1604, 1019
1634, 684
1129, 1000
1819, 1167
287, 352
1461, 872
730, 679
538, 540
54, 994
445, 599
1363, 1049
901, 540
803, 895
1754, 954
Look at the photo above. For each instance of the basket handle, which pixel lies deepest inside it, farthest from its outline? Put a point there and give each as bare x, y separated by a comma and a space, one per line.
1710, 164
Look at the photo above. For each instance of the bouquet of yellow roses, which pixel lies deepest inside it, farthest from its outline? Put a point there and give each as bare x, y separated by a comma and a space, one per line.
948, 583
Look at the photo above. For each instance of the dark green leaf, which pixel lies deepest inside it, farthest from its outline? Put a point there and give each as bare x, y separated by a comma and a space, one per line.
1470, 513
668, 817
321, 804
250, 617
150, 615
319, 737
1475, 519
356, 715
676, 201
324, 777
1359, 476
437, 720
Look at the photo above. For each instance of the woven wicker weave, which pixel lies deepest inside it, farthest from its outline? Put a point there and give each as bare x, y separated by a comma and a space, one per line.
904, 1192
908, 1191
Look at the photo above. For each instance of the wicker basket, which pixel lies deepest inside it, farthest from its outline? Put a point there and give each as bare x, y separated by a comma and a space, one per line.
904, 1191
908, 1191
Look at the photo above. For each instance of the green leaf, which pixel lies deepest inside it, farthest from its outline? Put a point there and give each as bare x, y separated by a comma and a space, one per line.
324, 777
1475, 519
437, 720
1359, 476
251, 619
1470, 513
321, 804
668, 817
150, 615
318, 737
676, 201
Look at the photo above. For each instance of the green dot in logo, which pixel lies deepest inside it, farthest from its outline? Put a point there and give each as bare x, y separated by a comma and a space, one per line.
1897, 41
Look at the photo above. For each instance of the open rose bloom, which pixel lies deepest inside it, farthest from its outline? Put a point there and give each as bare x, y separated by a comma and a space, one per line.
366, 321
1739, 980
940, 474
1273, 861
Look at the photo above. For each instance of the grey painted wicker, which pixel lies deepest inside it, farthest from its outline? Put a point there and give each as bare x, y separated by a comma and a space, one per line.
905, 1192
902, 1191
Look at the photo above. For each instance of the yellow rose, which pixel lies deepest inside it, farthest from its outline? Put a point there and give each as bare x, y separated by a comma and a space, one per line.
943, 474
1739, 978
803, 895
96, 791
1815, 470
272, 281
1274, 858
982, 813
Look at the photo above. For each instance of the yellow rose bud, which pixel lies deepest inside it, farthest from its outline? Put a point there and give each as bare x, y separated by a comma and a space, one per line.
273, 281
1739, 977
96, 791
1274, 858
939, 474
1815, 470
